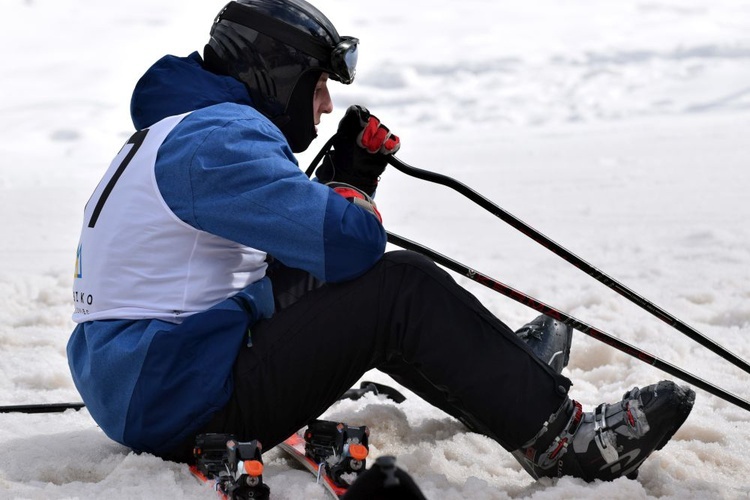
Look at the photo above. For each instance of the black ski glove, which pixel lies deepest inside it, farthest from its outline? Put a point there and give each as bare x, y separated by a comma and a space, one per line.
360, 152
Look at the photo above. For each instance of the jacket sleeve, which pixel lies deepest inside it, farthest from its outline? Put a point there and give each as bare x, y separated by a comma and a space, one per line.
228, 171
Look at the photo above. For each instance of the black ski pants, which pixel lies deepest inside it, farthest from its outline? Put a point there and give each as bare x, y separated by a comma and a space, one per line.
405, 317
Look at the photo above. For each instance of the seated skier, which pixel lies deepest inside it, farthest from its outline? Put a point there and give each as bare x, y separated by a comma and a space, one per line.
218, 289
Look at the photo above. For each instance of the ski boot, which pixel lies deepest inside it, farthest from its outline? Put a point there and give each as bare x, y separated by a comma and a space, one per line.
338, 448
610, 442
549, 339
236, 468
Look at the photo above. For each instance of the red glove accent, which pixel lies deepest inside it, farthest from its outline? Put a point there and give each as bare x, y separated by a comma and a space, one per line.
357, 197
376, 138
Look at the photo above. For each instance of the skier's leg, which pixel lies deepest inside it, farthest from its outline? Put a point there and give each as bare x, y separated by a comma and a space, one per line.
407, 317
410, 319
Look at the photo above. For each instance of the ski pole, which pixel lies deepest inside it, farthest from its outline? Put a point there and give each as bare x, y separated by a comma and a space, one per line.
42, 408
568, 320
572, 259
354, 393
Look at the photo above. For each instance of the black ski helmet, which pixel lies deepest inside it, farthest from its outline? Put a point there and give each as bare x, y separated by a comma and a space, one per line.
278, 49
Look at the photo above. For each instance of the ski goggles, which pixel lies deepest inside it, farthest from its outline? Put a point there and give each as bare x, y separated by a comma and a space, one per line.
344, 60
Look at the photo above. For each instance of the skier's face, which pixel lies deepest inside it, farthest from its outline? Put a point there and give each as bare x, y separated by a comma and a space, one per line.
322, 103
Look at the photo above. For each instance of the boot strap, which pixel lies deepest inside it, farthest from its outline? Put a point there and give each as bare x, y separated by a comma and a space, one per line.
559, 445
605, 441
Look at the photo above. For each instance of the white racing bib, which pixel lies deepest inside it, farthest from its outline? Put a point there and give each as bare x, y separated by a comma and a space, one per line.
137, 260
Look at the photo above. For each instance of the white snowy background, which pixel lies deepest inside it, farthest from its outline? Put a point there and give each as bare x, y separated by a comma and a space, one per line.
618, 129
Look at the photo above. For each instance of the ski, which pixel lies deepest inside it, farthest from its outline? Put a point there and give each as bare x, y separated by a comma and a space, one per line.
323, 449
334, 452
233, 469
294, 446
209, 482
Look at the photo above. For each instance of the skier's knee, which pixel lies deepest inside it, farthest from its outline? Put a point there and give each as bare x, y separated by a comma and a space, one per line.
409, 258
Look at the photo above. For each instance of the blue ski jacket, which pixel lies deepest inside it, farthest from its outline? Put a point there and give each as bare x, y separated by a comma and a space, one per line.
150, 383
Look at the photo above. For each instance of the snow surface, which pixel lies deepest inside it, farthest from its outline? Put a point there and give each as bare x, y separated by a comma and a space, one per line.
619, 129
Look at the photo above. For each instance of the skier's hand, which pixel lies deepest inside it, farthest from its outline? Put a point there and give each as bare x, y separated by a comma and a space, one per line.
361, 148
257, 298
